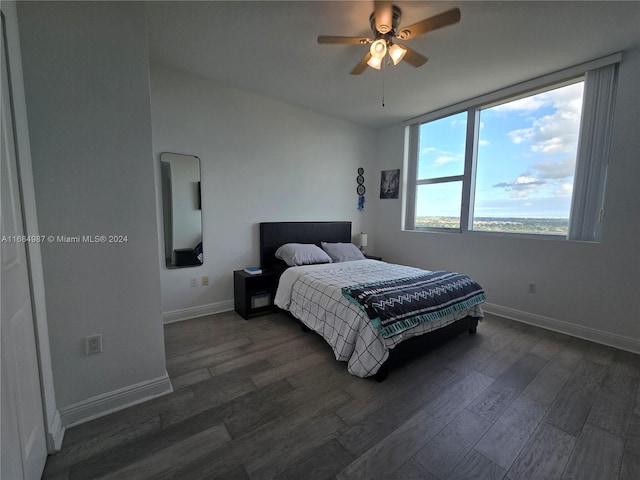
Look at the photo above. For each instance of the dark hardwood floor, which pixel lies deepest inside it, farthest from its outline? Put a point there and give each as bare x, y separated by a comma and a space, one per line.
259, 399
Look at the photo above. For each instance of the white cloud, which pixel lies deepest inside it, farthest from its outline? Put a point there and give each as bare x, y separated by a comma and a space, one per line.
527, 104
444, 159
523, 186
556, 170
521, 135
459, 122
556, 132
533, 185
565, 190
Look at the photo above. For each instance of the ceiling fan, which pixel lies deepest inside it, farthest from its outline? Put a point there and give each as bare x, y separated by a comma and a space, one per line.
385, 21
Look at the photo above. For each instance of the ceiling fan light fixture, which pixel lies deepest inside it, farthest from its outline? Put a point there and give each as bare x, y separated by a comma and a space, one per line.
374, 62
378, 49
385, 26
397, 52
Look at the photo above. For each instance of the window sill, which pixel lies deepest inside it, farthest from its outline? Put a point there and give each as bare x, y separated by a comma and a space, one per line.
514, 235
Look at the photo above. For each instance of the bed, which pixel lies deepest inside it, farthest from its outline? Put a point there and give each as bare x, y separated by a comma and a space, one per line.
331, 299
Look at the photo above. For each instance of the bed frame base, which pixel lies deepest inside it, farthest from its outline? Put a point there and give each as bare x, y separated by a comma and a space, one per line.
417, 346
303, 327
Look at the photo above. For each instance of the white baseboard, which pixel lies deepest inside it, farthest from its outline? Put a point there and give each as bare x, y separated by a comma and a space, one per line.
55, 433
115, 400
199, 311
586, 333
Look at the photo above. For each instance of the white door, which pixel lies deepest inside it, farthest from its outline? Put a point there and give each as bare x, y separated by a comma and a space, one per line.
22, 437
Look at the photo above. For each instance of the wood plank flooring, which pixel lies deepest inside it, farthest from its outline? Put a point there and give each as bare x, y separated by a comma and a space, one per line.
260, 399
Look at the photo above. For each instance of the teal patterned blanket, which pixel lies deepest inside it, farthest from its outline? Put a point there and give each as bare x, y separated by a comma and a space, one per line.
394, 306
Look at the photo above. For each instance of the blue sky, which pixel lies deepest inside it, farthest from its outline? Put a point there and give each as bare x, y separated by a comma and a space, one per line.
526, 157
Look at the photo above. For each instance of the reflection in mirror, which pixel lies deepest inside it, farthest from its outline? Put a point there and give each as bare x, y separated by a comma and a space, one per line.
181, 207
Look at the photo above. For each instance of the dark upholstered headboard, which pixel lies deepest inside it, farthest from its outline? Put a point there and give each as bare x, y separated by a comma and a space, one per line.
275, 234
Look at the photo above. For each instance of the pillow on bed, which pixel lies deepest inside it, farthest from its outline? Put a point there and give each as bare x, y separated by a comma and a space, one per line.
302, 254
342, 252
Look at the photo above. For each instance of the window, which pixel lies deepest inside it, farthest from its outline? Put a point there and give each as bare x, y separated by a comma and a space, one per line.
440, 172
528, 160
525, 162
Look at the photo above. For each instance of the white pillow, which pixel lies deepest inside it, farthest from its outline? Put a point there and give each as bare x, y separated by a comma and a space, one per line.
302, 254
342, 252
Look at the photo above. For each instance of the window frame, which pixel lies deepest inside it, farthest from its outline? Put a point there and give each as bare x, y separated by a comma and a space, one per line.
473, 107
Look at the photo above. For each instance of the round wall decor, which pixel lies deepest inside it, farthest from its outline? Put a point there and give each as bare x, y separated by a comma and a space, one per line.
360, 189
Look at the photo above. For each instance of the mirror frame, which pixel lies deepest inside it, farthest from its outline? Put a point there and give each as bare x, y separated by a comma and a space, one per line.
186, 215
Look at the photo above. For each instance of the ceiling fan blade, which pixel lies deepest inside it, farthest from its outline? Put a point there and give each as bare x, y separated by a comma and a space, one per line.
429, 24
362, 65
384, 16
328, 39
414, 58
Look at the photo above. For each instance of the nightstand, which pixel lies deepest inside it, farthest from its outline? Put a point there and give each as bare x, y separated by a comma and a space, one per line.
254, 294
373, 257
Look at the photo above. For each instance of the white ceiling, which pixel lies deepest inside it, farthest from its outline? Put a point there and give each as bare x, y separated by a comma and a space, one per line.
270, 48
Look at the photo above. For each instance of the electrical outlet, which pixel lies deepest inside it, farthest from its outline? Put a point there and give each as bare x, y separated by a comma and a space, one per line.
532, 288
94, 344
194, 282
205, 280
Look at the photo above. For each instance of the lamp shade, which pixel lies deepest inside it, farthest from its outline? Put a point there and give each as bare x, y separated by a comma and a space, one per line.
396, 52
374, 62
378, 48
363, 239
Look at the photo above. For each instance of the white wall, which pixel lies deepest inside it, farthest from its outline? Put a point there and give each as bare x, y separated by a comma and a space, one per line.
261, 160
588, 290
87, 90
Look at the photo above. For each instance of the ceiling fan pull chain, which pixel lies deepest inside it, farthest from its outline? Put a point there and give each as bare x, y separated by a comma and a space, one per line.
383, 69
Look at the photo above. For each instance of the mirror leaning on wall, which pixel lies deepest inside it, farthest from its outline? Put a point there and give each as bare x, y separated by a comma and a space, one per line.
181, 210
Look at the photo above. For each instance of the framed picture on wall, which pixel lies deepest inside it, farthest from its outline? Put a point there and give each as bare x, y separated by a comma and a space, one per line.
389, 183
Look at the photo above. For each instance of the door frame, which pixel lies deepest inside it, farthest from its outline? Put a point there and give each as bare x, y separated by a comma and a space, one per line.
53, 426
